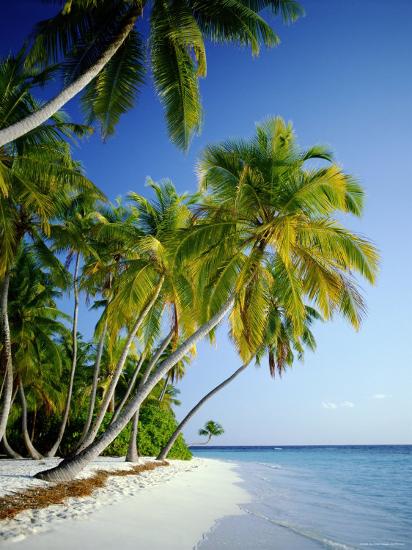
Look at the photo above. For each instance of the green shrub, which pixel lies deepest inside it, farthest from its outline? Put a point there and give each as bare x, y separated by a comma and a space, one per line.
156, 425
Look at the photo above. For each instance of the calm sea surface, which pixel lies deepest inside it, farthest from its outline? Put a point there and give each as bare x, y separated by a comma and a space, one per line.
305, 498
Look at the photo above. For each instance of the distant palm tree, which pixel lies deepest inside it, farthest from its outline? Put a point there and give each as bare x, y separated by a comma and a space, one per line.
211, 429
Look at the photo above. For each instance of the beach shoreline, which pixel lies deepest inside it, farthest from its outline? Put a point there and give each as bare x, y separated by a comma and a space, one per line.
171, 507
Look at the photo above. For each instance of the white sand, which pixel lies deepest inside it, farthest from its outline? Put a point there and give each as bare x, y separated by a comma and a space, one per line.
167, 508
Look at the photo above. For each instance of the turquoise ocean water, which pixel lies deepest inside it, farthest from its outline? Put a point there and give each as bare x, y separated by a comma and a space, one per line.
338, 497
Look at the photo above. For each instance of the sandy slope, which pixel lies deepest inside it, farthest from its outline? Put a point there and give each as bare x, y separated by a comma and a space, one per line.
168, 508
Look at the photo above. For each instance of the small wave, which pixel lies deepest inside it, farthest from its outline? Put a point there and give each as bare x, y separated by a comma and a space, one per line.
317, 537
271, 466
277, 449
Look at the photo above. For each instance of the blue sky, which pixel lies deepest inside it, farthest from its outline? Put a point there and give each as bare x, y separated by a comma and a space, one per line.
343, 76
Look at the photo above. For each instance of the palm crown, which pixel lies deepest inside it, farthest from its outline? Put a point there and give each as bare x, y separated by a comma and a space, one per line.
268, 220
33, 167
85, 30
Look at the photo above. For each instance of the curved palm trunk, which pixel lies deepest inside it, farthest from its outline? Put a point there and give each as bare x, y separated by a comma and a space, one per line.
7, 447
33, 426
5, 355
96, 372
132, 451
70, 467
33, 452
165, 451
51, 107
63, 425
9, 450
118, 370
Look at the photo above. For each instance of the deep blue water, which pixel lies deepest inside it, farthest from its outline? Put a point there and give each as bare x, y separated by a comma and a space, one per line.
318, 497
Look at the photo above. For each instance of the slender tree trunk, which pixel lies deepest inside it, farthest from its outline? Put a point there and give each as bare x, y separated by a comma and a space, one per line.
129, 389
166, 449
70, 467
9, 450
33, 426
132, 451
5, 354
96, 373
33, 453
63, 425
51, 107
149, 368
119, 368
163, 392
111, 404
3, 383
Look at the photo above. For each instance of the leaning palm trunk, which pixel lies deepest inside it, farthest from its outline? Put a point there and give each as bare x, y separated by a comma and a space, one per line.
63, 425
129, 389
70, 467
132, 450
96, 372
51, 107
33, 453
149, 368
9, 450
166, 449
7, 447
111, 406
163, 392
3, 382
119, 368
5, 354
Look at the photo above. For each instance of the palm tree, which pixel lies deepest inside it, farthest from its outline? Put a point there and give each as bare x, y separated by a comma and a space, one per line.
35, 322
265, 206
102, 53
211, 429
32, 168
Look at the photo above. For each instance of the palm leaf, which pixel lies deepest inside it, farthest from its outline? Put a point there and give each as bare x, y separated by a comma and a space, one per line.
113, 91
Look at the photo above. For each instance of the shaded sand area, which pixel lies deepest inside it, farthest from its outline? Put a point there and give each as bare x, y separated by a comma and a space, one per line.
171, 507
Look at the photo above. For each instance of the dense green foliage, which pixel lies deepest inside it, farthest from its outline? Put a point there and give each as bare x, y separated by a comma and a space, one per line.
156, 425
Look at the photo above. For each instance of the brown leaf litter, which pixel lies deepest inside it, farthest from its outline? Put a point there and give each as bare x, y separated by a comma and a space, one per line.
42, 497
